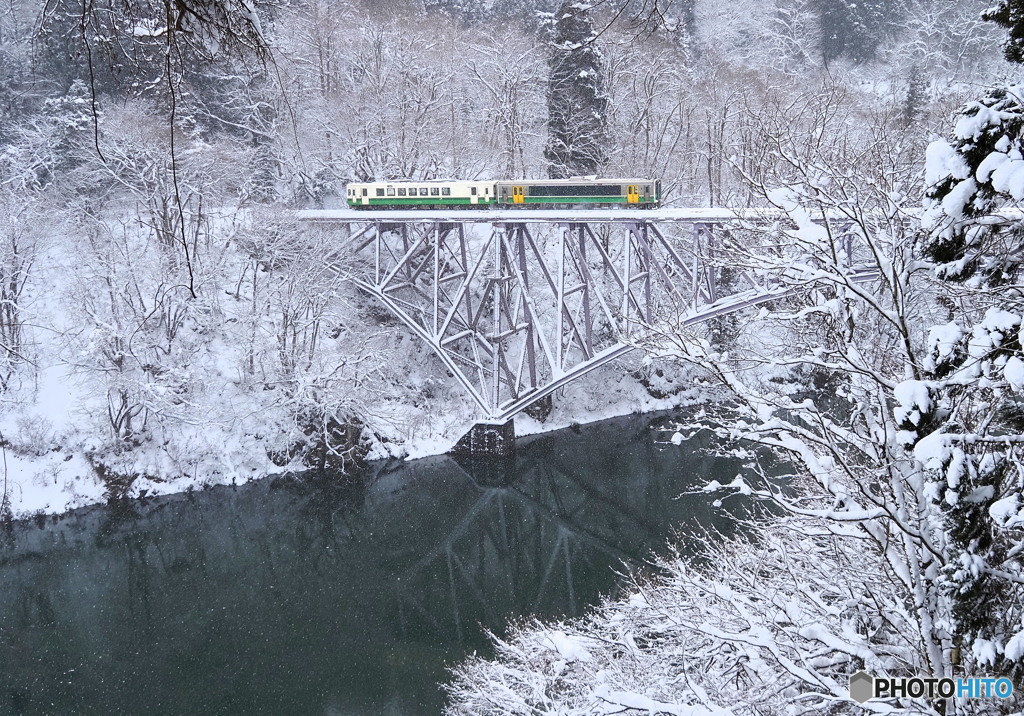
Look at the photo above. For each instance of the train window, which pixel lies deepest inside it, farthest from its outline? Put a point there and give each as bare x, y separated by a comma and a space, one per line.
434, 191
473, 191
571, 190
446, 191
401, 192
423, 191
391, 191
365, 192
380, 192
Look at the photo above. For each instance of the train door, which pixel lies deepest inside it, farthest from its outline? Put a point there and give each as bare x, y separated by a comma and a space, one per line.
518, 197
632, 194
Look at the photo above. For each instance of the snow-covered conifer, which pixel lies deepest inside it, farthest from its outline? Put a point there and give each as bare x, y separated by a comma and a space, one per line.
852, 29
969, 180
1010, 14
975, 365
577, 104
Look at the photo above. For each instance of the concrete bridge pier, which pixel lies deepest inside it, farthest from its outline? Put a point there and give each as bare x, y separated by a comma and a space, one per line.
488, 439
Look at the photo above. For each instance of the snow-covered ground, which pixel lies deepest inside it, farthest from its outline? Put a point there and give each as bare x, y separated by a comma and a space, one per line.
54, 451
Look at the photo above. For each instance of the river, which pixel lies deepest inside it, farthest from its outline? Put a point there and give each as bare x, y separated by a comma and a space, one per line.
302, 596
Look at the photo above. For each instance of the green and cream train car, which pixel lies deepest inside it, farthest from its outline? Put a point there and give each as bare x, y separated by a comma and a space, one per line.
418, 194
526, 193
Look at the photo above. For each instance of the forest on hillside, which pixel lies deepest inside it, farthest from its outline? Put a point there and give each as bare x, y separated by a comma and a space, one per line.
335, 92
163, 316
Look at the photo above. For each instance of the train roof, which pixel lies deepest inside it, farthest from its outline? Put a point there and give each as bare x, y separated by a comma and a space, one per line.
577, 180
426, 181
551, 182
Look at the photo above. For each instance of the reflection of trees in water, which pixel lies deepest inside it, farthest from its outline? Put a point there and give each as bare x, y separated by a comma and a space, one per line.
326, 521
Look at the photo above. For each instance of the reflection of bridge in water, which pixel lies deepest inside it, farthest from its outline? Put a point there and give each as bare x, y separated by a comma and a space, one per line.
518, 303
354, 596
529, 547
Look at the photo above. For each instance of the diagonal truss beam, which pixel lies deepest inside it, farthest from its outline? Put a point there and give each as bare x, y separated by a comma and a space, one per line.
517, 308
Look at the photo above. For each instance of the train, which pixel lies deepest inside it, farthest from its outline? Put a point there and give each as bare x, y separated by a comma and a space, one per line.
536, 193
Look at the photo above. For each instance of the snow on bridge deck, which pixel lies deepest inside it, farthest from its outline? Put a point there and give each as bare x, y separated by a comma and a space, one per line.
683, 215
691, 215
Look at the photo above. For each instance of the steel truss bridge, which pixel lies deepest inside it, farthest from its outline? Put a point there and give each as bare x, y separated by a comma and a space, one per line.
519, 303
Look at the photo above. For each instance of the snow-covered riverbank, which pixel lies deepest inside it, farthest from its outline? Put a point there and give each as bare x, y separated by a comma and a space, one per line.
55, 461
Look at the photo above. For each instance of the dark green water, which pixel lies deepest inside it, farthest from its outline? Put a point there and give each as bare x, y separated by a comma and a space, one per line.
295, 597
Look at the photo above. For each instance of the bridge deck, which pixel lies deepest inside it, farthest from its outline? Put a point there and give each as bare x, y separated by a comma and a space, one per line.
530, 215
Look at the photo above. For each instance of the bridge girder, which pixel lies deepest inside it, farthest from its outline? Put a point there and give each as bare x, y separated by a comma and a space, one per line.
519, 304
516, 310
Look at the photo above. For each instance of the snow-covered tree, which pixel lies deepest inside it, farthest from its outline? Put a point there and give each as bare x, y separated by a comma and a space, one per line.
947, 41
294, 317
897, 547
969, 181
1010, 14
400, 104
38, 152
853, 29
20, 232
508, 69
772, 623
577, 104
651, 122
815, 379
976, 367
203, 28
